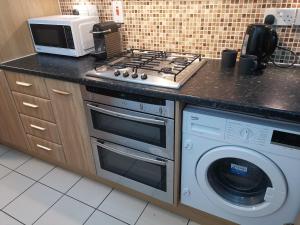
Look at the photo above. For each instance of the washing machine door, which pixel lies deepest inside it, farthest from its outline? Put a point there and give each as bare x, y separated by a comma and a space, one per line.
241, 181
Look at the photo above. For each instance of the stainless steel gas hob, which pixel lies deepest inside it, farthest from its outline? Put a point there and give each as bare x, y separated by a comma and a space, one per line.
157, 68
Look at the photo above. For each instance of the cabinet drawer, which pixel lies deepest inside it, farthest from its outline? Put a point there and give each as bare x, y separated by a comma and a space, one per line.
41, 128
27, 84
46, 149
34, 106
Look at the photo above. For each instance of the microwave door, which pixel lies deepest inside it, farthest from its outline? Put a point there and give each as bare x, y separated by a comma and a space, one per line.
49, 35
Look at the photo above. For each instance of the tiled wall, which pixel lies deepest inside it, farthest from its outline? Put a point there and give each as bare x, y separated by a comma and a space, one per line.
201, 26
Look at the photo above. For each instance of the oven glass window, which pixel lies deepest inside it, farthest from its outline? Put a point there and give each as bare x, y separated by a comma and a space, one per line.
49, 35
144, 132
238, 181
150, 174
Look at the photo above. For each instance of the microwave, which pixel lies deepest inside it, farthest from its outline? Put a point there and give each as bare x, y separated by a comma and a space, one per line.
68, 35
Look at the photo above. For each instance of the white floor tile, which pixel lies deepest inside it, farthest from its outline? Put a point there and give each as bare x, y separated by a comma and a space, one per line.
7, 220
11, 186
66, 211
60, 179
100, 218
4, 171
28, 207
89, 192
154, 215
123, 207
4, 149
193, 223
35, 168
12, 159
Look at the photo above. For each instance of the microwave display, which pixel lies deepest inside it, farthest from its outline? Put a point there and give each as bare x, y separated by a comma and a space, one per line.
52, 35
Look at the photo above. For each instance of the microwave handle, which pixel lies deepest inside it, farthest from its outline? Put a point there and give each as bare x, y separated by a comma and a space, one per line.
142, 158
129, 117
100, 32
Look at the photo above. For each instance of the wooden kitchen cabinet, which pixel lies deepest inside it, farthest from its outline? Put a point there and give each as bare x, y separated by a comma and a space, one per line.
34, 106
46, 149
26, 84
70, 116
40, 128
11, 129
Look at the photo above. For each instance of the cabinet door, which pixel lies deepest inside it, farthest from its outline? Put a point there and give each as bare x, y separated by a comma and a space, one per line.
71, 120
11, 129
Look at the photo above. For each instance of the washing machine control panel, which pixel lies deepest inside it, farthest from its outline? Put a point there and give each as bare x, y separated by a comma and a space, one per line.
246, 133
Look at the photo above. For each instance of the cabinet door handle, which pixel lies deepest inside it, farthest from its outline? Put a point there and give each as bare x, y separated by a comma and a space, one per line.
24, 84
43, 147
60, 92
37, 127
30, 105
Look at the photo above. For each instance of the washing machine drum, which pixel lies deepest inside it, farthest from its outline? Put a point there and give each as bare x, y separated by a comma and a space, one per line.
242, 181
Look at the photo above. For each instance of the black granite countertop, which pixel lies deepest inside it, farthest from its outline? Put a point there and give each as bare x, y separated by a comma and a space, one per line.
275, 94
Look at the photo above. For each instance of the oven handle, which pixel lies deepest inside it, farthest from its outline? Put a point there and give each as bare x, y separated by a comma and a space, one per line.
129, 117
145, 159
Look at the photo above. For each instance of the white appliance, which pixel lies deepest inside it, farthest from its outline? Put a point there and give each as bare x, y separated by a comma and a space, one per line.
63, 34
240, 168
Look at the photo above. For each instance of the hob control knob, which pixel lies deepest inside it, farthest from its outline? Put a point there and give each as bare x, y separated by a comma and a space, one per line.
134, 75
125, 74
144, 76
117, 73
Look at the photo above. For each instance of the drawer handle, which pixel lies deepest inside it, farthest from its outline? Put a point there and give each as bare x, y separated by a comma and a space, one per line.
60, 92
43, 147
30, 105
23, 84
37, 127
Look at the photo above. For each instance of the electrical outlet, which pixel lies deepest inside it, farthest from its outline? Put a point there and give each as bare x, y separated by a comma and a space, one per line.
297, 20
117, 11
283, 16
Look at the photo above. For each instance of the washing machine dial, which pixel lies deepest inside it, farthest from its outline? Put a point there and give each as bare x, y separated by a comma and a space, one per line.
188, 145
246, 134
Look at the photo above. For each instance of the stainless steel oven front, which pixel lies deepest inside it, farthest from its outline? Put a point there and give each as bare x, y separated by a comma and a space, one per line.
145, 132
143, 172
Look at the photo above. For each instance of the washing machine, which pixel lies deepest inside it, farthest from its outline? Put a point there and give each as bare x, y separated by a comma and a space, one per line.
240, 168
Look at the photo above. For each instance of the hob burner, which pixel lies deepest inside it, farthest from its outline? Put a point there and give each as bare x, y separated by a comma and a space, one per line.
180, 60
166, 70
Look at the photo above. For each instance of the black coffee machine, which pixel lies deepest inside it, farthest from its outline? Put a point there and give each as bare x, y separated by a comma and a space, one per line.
260, 40
107, 40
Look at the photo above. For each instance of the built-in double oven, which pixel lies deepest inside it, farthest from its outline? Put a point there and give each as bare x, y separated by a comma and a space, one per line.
133, 140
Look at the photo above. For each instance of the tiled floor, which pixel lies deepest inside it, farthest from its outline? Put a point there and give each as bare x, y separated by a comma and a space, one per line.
35, 192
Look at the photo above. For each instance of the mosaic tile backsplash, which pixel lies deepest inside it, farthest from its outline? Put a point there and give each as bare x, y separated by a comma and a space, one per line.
198, 26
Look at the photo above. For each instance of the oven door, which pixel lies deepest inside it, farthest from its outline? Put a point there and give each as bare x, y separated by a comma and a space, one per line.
136, 130
142, 172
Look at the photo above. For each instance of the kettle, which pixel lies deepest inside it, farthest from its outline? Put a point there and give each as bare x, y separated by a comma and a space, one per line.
260, 40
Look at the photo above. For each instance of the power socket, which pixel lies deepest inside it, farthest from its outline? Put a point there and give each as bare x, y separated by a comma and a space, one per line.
283, 16
297, 20
117, 11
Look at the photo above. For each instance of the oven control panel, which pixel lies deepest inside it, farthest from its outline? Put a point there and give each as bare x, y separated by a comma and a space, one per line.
131, 101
